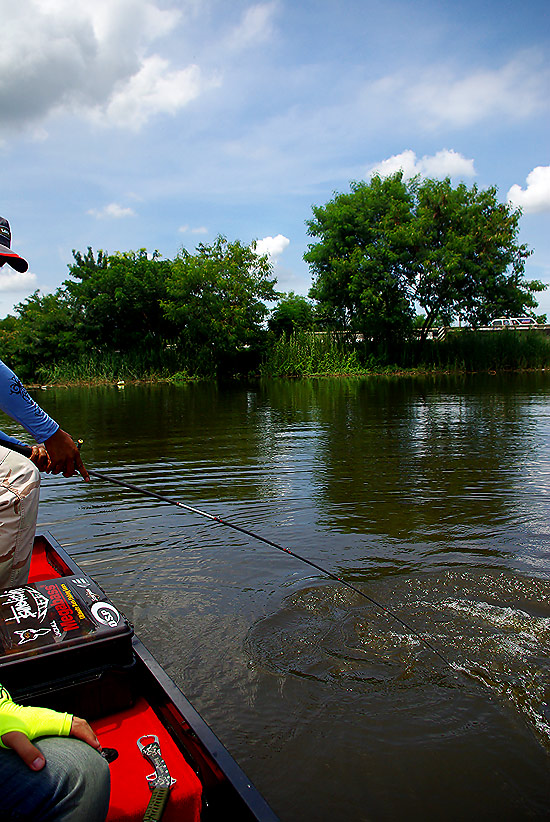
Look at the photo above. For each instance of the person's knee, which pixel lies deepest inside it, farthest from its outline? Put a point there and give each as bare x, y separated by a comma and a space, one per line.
19, 496
93, 773
73, 786
23, 487
28, 480
79, 777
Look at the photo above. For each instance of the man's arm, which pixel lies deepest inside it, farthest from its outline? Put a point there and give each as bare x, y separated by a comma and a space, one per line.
19, 725
16, 401
64, 456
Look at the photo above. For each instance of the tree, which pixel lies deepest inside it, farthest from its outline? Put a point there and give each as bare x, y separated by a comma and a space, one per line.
293, 312
390, 246
215, 300
42, 333
117, 298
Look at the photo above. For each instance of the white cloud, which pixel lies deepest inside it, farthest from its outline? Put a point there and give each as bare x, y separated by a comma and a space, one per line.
201, 229
255, 26
516, 90
272, 246
11, 280
445, 163
113, 211
536, 197
154, 89
90, 58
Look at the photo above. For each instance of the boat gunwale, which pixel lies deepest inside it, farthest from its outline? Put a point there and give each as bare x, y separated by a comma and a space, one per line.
162, 691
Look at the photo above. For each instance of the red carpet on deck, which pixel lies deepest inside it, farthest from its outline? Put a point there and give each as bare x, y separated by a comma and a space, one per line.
130, 792
40, 567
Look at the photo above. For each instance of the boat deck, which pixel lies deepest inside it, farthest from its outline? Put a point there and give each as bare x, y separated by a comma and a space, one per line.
130, 791
210, 786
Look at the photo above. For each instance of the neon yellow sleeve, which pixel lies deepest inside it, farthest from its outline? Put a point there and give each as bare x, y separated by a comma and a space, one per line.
33, 722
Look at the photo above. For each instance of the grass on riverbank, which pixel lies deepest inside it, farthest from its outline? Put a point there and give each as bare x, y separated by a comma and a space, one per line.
307, 354
484, 351
114, 366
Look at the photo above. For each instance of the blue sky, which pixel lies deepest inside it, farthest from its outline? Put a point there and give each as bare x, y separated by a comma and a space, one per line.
158, 124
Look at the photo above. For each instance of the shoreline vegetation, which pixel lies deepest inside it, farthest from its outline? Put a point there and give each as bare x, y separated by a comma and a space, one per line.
380, 253
388, 373
313, 355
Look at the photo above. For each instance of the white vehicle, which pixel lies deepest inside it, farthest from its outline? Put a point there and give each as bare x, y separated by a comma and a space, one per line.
511, 322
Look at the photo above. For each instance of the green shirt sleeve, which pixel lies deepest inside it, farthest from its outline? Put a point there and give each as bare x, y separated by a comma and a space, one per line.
33, 722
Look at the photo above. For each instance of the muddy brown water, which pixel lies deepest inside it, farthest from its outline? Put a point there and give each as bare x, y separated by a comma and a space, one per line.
431, 495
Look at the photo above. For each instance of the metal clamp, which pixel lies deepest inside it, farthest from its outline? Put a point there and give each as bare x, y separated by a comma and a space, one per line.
159, 781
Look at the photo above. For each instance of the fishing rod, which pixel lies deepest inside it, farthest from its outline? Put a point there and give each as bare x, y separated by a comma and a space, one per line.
26, 451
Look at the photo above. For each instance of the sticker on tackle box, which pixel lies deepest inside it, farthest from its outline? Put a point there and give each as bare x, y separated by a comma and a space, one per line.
64, 611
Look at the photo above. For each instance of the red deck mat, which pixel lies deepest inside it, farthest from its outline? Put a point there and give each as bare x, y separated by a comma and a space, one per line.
40, 567
130, 791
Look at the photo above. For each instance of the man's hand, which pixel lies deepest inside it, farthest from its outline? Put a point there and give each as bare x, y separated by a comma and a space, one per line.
64, 455
40, 458
35, 759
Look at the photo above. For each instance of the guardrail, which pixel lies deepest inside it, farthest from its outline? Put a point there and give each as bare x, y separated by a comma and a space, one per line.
441, 332
536, 327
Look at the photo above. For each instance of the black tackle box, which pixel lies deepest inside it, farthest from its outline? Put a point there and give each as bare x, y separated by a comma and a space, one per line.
64, 645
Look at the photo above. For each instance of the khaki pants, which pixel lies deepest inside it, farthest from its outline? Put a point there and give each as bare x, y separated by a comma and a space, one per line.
19, 492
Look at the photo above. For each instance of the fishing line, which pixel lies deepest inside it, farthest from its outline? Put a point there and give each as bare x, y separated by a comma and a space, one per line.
266, 541
213, 518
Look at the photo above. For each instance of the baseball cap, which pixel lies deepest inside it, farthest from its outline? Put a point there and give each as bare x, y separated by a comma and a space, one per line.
6, 254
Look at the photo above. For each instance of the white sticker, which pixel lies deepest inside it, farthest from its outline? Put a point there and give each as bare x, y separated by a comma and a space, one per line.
82, 582
106, 614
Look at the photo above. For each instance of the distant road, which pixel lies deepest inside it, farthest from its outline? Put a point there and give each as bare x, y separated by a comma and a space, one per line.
441, 333
539, 327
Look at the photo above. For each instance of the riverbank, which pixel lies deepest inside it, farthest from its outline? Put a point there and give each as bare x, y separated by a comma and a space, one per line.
386, 372
308, 355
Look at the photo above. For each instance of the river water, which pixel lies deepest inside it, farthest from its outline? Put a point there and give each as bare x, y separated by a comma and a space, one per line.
430, 495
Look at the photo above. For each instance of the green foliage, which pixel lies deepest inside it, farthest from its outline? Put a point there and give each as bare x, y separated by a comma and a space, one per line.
312, 354
361, 250
293, 312
98, 366
389, 246
493, 351
43, 331
132, 315
306, 353
467, 260
117, 298
215, 300
384, 249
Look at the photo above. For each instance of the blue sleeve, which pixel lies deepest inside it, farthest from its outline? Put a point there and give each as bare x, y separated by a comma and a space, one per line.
7, 437
20, 406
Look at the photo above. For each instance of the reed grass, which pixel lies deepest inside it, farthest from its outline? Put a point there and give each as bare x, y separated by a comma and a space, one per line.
309, 354
487, 351
306, 353
112, 366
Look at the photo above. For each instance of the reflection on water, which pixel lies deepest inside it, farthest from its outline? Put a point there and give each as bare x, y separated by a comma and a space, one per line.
430, 495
